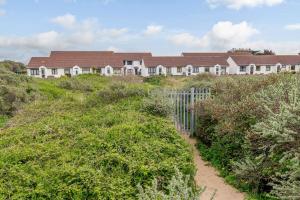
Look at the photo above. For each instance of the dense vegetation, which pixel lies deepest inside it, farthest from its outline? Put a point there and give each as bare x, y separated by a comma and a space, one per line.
250, 131
14, 90
84, 138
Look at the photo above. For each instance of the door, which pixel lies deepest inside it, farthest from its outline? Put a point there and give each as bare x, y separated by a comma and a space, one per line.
189, 71
136, 71
278, 69
251, 70
160, 71
217, 71
43, 73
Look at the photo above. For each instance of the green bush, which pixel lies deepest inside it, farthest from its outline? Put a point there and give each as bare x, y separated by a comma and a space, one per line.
154, 80
229, 124
158, 104
119, 91
60, 148
75, 84
178, 189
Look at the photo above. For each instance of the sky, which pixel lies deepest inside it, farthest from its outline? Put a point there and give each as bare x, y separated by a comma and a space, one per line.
163, 27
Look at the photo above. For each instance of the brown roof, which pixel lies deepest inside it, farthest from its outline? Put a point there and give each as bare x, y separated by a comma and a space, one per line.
38, 61
173, 61
196, 54
266, 59
289, 59
87, 59
133, 56
82, 62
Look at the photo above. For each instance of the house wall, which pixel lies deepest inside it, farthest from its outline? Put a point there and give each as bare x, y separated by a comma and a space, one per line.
233, 67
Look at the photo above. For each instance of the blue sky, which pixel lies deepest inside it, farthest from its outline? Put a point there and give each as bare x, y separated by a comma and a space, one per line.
165, 27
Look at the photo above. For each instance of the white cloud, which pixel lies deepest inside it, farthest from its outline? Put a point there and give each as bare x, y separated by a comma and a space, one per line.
153, 30
40, 41
223, 35
293, 27
66, 21
238, 4
85, 34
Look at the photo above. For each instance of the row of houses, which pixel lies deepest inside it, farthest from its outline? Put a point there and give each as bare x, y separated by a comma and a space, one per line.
109, 63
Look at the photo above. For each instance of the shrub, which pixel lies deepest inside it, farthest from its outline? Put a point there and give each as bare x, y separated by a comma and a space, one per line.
158, 104
154, 80
273, 143
248, 130
119, 91
178, 189
75, 84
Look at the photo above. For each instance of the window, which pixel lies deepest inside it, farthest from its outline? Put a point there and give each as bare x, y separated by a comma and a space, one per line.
129, 62
243, 68
152, 70
54, 71
196, 70
169, 70
108, 71
258, 68
99, 71
179, 69
86, 70
206, 69
141, 62
67, 71
34, 72
117, 71
268, 68
223, 72
293, 67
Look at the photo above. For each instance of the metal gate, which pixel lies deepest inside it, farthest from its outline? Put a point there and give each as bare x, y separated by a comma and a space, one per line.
184, 107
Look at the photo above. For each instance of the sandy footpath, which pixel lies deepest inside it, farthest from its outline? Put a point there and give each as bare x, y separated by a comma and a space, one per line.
207, 176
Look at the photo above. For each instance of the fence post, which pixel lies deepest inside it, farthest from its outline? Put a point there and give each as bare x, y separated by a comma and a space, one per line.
192, 128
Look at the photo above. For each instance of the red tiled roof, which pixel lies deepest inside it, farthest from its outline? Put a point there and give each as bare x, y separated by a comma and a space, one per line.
289, 59
173, 61
133, 56
266, 59
196, 54
38, 61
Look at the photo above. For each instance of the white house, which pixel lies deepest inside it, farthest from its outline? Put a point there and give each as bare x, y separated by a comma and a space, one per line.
267, 64
184, 66
108, 63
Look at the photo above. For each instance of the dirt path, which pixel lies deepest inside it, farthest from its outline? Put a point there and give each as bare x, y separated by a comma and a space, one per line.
207, 176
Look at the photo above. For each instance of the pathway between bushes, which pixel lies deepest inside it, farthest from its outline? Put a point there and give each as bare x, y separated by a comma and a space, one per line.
208, 176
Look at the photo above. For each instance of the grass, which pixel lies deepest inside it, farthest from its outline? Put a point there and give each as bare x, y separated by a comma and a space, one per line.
3, 120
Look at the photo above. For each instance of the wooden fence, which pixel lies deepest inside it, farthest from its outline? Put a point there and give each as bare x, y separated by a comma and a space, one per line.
184, 113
